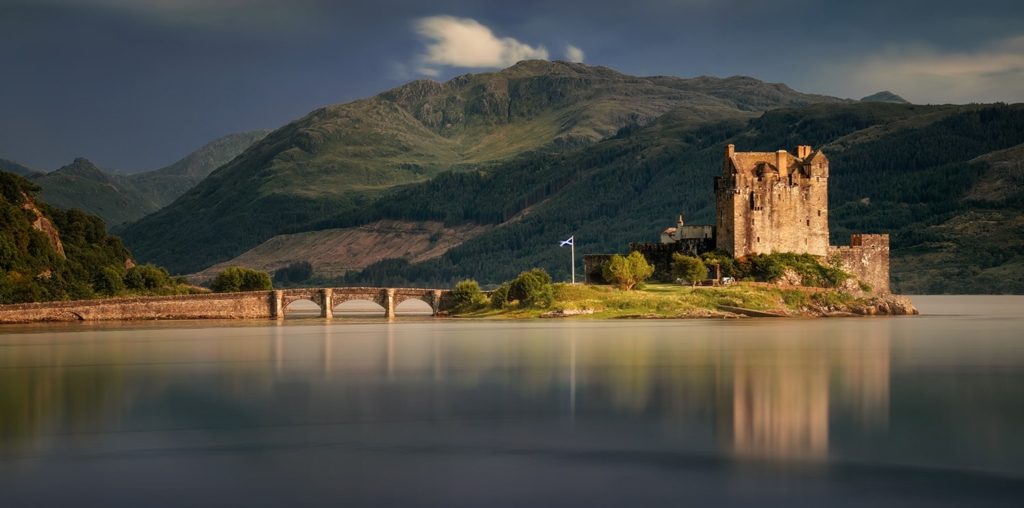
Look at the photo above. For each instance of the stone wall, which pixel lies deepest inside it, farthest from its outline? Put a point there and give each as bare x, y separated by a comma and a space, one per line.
867, 257
249, 305
660, 254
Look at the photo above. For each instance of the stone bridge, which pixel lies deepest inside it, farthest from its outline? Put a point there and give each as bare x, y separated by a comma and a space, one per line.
389, 298
246, 305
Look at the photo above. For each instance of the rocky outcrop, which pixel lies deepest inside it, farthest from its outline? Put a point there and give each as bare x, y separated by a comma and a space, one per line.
887, 305
790, 277
41, 223
567, 312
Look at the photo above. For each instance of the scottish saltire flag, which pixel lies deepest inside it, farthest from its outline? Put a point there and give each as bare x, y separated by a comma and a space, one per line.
566, 242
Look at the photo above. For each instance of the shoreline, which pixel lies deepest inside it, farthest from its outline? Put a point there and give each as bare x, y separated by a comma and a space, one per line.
657, 301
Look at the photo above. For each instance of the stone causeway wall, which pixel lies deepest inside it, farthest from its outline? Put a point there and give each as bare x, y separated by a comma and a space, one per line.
248, 305
244, 305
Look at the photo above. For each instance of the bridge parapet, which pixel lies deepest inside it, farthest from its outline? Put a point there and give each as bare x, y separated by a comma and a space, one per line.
249, 305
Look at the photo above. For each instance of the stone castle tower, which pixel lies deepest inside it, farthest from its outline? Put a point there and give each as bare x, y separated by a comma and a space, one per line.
772, 202
768, 202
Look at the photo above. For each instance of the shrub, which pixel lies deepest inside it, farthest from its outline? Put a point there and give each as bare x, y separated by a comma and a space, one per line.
109, 282
766, 267
727, 264
237, 278
627, 272
688, 268
467, 295
499, 297
146, 277
532, 289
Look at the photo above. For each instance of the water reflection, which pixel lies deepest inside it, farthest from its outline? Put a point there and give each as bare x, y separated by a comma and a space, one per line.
859, 400
761, 396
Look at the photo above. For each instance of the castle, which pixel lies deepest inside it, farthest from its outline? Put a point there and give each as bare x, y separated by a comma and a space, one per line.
770, 202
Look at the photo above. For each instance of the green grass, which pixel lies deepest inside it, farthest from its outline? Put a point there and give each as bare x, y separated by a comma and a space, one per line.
666, 300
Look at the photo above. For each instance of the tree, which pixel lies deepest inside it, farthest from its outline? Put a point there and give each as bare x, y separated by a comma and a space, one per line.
532, 289
237, 278
688, 268
109, 282
627, 272
146, 277
499, 297
467, 295
296, 272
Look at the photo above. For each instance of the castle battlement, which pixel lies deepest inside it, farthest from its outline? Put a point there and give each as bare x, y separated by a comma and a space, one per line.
867, 257
772, 202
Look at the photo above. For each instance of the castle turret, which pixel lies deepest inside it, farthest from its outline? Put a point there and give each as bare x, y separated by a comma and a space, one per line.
762, 211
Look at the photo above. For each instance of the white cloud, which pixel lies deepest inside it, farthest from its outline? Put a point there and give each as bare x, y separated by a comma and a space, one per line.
573, 54
464, 42
923, 74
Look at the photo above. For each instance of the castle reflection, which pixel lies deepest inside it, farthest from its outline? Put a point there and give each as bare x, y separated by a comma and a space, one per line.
756, 391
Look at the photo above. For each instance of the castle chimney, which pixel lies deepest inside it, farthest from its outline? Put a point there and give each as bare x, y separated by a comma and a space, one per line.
730, 149
781, 162
802, 151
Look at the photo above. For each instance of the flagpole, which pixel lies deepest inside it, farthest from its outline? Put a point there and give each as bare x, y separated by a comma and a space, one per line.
573, 260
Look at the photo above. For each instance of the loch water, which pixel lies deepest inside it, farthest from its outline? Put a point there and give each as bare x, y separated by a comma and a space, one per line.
883, 411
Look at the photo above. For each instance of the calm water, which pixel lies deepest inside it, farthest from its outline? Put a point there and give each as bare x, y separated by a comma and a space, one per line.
924, 411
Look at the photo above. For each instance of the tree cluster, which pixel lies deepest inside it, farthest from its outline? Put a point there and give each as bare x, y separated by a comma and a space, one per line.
239, 278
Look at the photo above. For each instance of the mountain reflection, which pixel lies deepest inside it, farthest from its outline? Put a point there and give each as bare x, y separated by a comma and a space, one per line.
769, 394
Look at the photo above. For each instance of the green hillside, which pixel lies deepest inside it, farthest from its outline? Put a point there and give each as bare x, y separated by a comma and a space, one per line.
911, 171
339, 159
119, 198
83, 186
57, 260
164, 185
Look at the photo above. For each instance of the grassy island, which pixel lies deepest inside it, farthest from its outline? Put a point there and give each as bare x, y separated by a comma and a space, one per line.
673, 301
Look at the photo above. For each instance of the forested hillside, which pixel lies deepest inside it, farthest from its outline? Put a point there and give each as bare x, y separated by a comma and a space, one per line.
60, 257
899, 169
341, 158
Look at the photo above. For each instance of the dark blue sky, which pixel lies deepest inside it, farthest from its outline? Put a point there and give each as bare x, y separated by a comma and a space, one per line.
136, 84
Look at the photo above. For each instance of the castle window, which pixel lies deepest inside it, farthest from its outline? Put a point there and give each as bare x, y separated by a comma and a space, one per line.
819, 213
808, 222
759, 239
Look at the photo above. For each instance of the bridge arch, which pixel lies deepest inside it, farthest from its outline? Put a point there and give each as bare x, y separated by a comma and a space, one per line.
358, 306
330, 298
416, 306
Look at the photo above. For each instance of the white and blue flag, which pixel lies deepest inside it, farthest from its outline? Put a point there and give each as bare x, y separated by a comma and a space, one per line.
566, 242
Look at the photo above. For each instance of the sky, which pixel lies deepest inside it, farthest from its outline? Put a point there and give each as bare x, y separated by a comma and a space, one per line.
136, 84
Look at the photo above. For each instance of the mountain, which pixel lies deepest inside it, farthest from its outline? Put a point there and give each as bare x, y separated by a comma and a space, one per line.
119, 198
164, 185
885, 96
18, 169
47, 253
339, 159
84, 186
944, 181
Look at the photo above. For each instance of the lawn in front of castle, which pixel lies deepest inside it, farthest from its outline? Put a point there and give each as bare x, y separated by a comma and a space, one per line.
664, 301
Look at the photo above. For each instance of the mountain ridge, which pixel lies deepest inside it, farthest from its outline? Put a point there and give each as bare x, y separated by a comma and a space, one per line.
341, 157
118, 197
